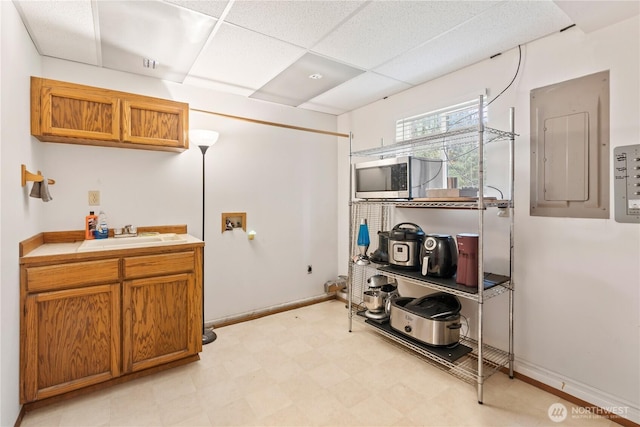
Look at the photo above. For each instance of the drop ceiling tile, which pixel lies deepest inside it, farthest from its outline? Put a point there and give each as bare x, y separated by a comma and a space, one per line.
61, 29
133, 30
212, 8
302, 23
243, 58
400, 43
593, 15
200, 82
362, 90
498, 29
295, 85
327, 109
384, 29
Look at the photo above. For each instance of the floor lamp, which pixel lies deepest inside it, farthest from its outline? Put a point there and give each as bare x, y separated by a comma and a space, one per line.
204, 139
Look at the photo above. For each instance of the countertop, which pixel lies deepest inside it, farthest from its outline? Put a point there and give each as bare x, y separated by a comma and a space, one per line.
53, 249
62, 246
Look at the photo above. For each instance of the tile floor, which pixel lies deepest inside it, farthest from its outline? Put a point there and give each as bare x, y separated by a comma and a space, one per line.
303, 368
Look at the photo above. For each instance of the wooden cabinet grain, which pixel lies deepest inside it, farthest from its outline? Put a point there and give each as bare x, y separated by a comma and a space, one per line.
78, 114
158, 123
96, 318
160, 309
73, 340
158, 323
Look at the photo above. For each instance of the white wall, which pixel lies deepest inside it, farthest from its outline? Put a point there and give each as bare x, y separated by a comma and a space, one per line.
284, 180
577, 280
20, 217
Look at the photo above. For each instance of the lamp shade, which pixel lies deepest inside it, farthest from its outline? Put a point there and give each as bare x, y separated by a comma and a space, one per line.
363, 234
202, 137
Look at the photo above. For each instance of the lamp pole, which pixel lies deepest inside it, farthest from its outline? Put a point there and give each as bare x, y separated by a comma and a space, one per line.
208, 335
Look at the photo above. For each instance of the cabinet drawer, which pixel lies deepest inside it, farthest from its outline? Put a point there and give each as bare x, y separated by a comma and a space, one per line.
72, 275
156, 265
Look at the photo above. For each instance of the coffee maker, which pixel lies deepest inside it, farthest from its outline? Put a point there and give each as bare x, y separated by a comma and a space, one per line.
467, 259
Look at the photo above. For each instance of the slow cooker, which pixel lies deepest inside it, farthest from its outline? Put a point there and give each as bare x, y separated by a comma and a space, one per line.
432, 319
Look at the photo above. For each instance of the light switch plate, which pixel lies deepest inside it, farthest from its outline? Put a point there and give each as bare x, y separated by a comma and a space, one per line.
94, 198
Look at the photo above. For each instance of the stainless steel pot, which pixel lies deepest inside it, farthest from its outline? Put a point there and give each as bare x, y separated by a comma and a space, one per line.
391, 293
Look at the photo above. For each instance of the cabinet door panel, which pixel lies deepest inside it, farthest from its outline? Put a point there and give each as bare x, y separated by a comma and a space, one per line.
158, 320
73, 340
158, 123
80, 114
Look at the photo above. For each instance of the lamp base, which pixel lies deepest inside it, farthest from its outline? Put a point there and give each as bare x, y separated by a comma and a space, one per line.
208, 336
362, 260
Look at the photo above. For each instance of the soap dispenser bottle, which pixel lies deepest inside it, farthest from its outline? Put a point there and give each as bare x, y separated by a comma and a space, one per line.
102, 230
90, 223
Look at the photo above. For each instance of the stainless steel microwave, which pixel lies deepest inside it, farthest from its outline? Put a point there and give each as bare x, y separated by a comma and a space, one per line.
404, 177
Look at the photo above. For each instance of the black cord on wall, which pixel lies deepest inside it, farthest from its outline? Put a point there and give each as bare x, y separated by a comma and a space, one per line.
514, 76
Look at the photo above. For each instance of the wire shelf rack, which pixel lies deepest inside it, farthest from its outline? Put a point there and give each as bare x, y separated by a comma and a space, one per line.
467, 136
437, 204
465, 368
483, 360
488, 293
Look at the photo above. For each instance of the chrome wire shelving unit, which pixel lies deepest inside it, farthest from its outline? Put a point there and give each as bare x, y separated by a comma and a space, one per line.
465, 368
483, 360
467, 136
438, 204
459, 291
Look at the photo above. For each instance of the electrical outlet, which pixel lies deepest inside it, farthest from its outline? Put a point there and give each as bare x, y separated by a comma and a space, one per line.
94, 198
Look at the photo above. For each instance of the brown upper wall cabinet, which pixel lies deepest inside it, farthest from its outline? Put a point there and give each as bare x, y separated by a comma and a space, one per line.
77, 114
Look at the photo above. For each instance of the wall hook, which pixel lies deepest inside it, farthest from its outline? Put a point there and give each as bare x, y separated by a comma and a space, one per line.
28, 176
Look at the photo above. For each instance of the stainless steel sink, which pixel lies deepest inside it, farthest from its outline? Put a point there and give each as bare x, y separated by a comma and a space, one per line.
130, 242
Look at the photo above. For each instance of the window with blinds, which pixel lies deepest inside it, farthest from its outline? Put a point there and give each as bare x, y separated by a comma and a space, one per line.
459, 161
443, 120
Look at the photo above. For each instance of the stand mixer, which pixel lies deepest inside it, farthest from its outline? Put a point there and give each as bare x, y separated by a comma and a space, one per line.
376, 297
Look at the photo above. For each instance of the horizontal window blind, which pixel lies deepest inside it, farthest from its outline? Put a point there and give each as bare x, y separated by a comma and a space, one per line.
443, 120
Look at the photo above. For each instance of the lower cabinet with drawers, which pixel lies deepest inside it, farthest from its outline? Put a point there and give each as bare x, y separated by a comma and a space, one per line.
90, 321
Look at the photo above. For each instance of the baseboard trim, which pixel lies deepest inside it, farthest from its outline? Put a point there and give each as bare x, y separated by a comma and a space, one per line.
578, 394
256, 314
20, 417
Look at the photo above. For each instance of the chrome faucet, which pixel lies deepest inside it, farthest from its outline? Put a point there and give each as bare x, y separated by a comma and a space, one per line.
130, 230
126, 231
